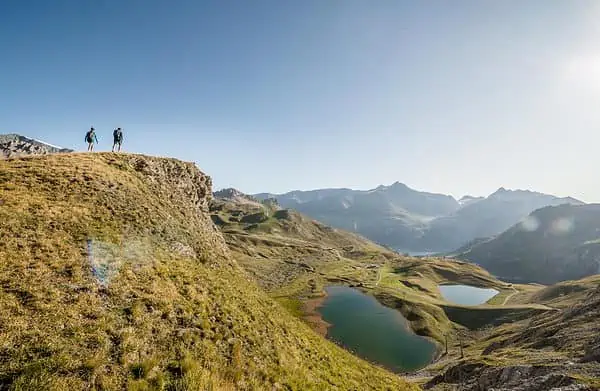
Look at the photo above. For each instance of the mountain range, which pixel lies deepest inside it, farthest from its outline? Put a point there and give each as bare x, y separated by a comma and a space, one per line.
552, 244
416, 221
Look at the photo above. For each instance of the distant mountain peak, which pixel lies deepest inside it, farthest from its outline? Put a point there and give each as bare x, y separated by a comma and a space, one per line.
233, 194
13, 144
229, 192
398, 184
469, 199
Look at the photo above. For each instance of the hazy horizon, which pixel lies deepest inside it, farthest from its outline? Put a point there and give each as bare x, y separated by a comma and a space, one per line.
456, 98
457, 197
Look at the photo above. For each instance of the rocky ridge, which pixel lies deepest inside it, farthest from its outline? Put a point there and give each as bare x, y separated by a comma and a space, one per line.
13, 145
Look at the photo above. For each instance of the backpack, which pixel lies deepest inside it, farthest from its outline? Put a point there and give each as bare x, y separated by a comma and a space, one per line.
88, 136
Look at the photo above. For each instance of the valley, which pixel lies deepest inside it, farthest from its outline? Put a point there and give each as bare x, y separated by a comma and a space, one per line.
138, 278
299, 261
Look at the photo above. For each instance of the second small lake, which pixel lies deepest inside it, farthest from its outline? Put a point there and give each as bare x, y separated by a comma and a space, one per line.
467, 295
374, 332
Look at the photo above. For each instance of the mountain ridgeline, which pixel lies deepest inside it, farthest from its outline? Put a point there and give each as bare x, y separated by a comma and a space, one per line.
552, 244
415, 221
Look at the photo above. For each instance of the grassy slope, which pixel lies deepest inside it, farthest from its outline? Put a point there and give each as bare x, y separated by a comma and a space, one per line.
290, 254
294, 257
174, 311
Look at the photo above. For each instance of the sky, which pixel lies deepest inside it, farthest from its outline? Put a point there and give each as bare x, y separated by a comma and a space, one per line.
456, 97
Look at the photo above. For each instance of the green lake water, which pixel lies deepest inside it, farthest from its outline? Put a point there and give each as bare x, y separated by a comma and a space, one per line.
466, 295
374, 332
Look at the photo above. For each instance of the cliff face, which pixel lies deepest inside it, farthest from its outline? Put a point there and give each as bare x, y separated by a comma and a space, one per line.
12, 145
113, 276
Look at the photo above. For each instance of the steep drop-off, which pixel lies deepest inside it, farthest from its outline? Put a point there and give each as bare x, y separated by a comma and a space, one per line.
112, 277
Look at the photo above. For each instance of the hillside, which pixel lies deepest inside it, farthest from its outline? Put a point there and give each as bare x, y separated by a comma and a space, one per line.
283, 249
113, 277
414, 221
552, 244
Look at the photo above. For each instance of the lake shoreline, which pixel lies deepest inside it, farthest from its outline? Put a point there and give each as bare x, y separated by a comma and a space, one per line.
311, 314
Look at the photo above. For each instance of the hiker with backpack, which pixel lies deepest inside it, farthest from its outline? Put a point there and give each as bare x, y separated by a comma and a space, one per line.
90, 138
117, 139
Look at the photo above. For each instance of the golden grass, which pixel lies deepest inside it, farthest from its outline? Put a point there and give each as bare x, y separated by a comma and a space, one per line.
174, 311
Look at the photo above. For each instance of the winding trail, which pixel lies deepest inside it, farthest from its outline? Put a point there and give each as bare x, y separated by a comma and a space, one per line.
507, 298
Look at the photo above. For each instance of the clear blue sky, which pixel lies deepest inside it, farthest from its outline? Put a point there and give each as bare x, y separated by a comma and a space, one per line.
447, 96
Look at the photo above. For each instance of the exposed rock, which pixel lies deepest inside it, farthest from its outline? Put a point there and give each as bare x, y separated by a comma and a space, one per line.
176, 176
481, 377
592, 353
14, 145
283, 214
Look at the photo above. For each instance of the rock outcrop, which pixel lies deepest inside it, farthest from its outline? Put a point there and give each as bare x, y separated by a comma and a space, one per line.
13, 145
481, 377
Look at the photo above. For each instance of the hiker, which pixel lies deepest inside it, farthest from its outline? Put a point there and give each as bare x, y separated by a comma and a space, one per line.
117, 139
90, 138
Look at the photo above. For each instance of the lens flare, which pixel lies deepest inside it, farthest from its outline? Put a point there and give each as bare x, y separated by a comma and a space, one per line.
530, 224
561, 226
107, 259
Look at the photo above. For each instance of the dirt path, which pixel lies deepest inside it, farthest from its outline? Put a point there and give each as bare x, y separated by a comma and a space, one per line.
380, 275
507, 298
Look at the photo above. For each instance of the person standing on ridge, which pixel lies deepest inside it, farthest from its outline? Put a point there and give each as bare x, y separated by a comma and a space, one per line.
90, 138
117, 139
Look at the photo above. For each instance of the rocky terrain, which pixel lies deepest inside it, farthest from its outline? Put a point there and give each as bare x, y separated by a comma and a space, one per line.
415, 221
12, 145
557, 350
552, 244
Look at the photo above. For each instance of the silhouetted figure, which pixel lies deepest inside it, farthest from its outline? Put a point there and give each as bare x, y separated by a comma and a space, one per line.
117, 139
90, 138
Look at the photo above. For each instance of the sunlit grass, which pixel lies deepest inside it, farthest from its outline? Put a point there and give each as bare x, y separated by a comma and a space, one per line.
177, 313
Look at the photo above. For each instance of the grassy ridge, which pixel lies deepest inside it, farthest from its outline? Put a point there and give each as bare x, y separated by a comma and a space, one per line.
112, 277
